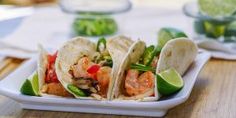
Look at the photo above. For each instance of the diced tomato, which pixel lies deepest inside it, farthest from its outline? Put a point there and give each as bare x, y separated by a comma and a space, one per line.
93, 69
47, 78
51, 75
52, 58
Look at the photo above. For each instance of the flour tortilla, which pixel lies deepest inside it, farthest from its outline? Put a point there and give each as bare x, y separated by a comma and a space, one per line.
76, 48
41, 67
135, 53
41, 70
178, 53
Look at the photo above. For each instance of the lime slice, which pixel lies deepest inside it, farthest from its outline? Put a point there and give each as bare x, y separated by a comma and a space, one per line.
169, 82
31, 85
217, 8
166, 34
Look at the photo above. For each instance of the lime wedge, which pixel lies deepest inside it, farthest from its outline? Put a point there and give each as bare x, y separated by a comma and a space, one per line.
216, 8
31, 85
169, 82
166, 34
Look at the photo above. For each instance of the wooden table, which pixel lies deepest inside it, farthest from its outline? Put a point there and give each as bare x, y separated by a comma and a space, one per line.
214, 95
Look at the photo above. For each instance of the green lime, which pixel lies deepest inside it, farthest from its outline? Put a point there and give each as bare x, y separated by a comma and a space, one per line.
31, 85
169, 82
214, 30
230, 33
35, 82
166, 34
231, 29
199, 26
217, 8
78, 92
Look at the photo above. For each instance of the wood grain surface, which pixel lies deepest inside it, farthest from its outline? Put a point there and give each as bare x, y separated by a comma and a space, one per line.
213, 96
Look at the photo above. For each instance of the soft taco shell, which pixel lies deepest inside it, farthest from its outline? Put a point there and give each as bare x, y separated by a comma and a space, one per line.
41, 70
135, 53
68, 55
178, 53
41, 67
78, 47
118, 48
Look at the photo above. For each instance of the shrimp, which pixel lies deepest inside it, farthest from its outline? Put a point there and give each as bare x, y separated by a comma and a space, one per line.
80, 69
135, 84
103, 77
55, 89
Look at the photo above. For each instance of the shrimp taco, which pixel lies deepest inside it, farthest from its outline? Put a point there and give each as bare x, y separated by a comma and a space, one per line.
137, 80
88, 70
49, 84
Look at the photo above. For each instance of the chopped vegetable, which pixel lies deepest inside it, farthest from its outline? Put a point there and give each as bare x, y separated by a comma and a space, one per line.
108, 61
93, 69
76, 90
157, 50
101, 44
108, 58
148, 55
97, 26
52, 58
142, 67
51, 75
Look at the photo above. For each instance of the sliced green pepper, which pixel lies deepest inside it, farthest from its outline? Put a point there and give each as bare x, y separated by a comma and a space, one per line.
148, 55
108, 60
157, 50
142, 67
108, 63
101, 41
76, 90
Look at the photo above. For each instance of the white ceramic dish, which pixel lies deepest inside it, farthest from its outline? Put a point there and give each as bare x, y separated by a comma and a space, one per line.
11, 84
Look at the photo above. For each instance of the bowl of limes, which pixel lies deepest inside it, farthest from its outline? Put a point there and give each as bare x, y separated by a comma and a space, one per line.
214, 19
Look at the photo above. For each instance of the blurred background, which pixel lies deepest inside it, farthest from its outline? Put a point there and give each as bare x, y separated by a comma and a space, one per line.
26, 23
160, 3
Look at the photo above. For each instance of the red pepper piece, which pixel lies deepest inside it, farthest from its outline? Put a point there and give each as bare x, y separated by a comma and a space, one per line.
93, 69
50, 73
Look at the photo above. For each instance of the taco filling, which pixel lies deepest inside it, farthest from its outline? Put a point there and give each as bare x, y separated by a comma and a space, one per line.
51, 84
139, 77
92, 75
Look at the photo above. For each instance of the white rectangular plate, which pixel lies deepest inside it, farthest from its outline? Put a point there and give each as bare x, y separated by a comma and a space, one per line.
10, 87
